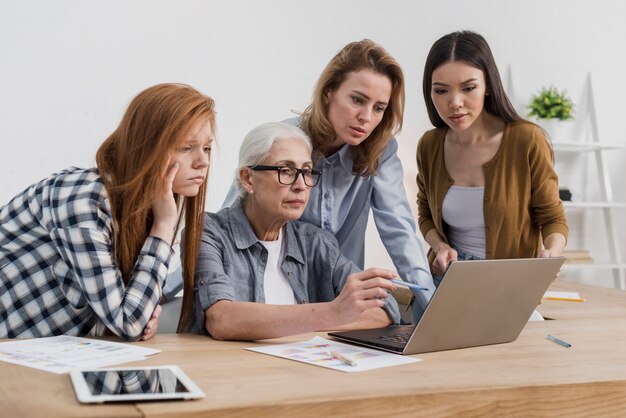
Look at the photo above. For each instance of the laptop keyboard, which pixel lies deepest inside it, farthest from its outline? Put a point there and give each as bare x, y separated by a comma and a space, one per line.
401, 337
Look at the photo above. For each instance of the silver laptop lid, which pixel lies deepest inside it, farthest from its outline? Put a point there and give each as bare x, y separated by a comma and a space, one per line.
482, 302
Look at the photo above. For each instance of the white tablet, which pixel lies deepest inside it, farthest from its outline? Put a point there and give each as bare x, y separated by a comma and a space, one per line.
128, 384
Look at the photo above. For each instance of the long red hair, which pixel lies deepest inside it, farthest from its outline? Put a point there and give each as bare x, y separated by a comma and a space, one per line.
132, 164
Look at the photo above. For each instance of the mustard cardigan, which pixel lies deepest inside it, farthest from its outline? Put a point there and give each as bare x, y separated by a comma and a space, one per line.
521, 201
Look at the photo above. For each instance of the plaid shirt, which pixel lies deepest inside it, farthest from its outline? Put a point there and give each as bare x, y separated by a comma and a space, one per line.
58, 273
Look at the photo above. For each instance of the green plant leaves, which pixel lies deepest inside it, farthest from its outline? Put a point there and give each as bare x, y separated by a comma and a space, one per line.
549, 103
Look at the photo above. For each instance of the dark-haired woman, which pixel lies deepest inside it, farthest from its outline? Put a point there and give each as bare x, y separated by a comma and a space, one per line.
487, 187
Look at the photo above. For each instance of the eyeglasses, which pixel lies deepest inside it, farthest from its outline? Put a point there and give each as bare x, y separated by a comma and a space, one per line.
289, 175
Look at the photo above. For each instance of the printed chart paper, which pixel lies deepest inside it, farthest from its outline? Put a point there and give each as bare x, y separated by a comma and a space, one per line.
319, 352
62, 353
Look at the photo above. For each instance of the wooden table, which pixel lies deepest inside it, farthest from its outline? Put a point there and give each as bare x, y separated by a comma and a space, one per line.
531, 376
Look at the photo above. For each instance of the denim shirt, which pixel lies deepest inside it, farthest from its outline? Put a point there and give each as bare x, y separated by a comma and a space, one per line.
231, 264
341, 203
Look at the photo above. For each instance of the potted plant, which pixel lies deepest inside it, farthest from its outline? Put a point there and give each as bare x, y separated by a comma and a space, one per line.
550, 107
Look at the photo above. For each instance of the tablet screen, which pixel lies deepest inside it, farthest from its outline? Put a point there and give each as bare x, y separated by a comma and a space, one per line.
135, 381
133, 384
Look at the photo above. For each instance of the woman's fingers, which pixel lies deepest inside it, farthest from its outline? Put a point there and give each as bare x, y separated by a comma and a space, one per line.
153, 324
443, 259
151, 331
171, 175
544, 254
373, 293
164, 206
375, 272
150, 334
157, 312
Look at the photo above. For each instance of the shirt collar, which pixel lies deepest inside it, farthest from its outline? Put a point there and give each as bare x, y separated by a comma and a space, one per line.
343, 155
242, 231
244, 235
292, 249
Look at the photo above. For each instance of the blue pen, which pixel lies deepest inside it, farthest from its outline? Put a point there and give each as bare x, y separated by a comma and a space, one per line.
409, 285
559, 341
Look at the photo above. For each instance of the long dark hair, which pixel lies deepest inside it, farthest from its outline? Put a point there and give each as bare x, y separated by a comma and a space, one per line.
473, 49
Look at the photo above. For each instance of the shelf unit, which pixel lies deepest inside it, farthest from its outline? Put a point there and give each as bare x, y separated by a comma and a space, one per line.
594, 205
611, 266
590, 144
585, 140
568, 146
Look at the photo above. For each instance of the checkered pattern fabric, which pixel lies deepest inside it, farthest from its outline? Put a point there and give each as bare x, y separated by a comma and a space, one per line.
58, 273
133, 382
123, 382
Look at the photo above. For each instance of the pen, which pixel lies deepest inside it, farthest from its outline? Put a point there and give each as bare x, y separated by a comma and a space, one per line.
338, 356
559, 341
566, 299
407, 284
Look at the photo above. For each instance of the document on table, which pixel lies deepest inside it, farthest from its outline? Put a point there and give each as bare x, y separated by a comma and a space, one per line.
334, 355
62, 353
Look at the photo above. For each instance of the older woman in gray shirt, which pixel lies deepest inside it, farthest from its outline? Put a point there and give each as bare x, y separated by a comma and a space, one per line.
263, 274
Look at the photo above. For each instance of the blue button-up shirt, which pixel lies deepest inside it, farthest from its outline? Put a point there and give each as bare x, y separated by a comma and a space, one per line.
341, 203
232, 261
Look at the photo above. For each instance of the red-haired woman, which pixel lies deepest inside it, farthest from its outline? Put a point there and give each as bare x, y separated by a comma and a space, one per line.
87, 250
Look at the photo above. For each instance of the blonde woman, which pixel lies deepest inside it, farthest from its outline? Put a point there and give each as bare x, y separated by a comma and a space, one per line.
357, 108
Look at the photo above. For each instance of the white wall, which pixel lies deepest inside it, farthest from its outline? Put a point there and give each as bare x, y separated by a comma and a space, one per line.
68, 68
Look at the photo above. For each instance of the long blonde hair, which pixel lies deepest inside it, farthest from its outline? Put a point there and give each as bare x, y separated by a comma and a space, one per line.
353, 57
132, 163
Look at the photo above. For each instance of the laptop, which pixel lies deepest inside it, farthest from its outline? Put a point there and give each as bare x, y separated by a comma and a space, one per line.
477, 303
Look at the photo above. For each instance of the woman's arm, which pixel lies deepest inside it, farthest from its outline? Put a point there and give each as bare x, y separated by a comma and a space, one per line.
372, 318
444, 253
343, 268
424, 215
547, 208
362, 293
396, 224
85, 242
554, 244
123, 309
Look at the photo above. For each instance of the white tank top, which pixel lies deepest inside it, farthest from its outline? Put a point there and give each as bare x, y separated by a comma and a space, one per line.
462, 211
277, 289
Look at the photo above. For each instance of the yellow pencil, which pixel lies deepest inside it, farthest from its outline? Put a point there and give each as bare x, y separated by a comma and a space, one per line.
565, 299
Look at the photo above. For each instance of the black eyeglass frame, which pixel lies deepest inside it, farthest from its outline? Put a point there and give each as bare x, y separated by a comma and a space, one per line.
299, 171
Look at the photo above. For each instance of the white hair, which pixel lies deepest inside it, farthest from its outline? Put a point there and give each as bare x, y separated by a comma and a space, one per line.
257, 143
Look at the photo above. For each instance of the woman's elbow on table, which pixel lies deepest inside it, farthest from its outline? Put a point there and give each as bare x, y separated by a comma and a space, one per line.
216, 321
